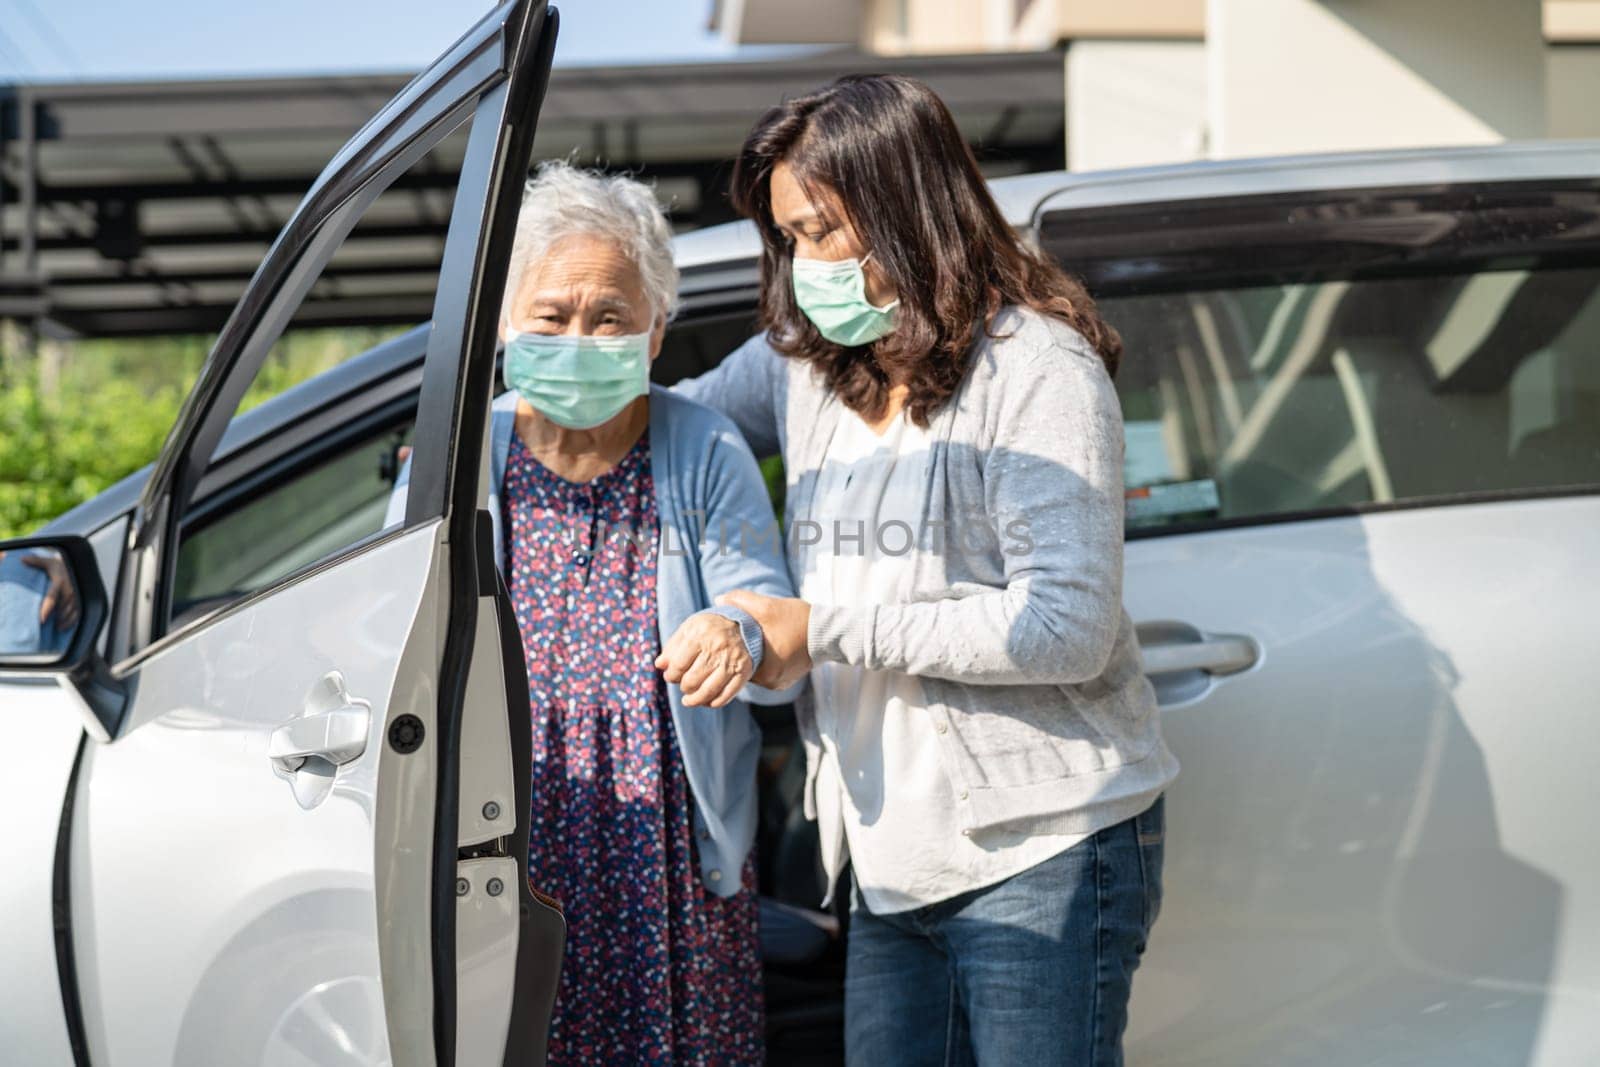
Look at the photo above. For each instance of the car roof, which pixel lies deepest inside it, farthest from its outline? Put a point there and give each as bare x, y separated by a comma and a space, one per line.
1025, 198
733, 242
1509, 162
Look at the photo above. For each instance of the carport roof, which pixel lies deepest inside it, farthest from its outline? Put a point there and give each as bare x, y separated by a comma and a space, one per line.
144, 207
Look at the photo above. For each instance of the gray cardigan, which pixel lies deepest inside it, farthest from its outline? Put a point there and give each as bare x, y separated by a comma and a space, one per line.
1015, 623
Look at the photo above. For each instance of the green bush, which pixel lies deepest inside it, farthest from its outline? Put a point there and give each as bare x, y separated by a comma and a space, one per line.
772, 474
108, 406
58, 451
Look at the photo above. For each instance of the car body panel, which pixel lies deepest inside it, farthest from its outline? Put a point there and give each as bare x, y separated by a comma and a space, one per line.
1370, 852
44, 729
289, 917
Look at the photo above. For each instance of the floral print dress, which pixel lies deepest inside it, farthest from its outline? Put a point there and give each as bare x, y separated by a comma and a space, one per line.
658, 970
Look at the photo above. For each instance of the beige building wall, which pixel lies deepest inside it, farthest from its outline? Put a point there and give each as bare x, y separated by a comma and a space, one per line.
1572, 90
1156, 81
898, 27
1330, 75
1135, 103
895, 27
1572, 20
931, 26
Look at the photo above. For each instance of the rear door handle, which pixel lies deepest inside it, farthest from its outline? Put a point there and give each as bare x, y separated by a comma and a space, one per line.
1219, 654
1182, 662
310, 748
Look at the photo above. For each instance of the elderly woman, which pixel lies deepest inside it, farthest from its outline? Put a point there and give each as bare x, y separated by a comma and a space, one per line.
611, 497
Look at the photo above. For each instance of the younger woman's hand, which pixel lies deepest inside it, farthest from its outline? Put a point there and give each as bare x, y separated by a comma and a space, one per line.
707, 659
784, 622
61, 598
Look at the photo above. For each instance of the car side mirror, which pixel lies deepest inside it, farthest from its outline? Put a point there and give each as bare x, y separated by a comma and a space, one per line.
53, 607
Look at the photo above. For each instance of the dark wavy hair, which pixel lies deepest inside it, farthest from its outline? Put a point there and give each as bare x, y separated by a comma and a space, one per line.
888, 147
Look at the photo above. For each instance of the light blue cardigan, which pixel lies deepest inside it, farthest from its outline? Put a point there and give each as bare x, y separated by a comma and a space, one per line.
22, 592
709, 495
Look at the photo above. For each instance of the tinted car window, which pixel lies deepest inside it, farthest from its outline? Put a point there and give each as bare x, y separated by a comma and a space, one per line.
292, 524
1298, 355
1269, 400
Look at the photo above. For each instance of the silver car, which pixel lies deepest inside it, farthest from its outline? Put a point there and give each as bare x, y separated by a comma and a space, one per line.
267, 792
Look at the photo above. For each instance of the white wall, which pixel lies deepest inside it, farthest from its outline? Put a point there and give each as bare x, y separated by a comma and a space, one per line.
1133, 103
1573, 90
1325, 75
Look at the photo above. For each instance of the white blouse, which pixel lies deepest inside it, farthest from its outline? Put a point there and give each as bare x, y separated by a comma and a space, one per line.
883, 797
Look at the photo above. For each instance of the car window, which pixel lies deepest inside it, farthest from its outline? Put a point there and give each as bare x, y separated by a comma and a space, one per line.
291, 523
1262, 402
249, 528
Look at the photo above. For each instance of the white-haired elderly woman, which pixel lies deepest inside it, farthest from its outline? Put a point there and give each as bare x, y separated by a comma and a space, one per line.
624, 513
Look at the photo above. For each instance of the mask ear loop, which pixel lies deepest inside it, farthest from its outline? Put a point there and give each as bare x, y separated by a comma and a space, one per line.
891, 305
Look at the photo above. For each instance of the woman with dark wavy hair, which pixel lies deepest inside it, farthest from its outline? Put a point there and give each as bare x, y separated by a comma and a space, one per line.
982, 743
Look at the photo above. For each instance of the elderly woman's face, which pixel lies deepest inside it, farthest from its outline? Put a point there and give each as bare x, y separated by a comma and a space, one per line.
585, 286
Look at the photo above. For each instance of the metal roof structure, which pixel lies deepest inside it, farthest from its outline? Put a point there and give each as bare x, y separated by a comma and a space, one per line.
144, 207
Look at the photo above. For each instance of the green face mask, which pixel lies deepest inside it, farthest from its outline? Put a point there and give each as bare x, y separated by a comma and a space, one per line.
578, 382
833, 295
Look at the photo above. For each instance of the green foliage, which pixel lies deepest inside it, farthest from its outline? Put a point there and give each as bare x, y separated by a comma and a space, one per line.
58, 451
772, 474
78, 418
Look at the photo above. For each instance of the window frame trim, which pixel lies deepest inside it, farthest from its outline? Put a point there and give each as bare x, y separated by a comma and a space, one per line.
1348, 511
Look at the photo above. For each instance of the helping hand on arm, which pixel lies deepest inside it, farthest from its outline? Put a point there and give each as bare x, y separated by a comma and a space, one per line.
784, 621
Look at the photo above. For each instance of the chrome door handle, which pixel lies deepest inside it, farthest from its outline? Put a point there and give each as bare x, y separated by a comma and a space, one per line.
331, 732
1219, 654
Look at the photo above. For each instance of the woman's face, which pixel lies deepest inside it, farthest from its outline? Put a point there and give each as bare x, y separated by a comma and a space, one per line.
584, 286
817, 227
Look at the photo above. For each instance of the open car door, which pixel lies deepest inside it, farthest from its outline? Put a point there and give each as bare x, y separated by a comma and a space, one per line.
299, 834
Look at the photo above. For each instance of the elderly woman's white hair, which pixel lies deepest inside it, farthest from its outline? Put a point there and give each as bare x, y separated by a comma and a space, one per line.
564, 201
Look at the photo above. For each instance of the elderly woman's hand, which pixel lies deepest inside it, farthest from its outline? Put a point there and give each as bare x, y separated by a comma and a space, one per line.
784, 622
707, 659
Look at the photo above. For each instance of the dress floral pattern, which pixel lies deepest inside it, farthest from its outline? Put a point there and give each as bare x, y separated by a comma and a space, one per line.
658, 970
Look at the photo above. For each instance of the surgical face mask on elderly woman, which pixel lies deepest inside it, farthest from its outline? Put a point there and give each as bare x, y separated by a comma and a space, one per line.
579, 337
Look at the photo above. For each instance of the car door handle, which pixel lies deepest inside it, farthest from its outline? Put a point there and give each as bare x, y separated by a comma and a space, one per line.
1171, 648
338, 735
333, 728
1218, 655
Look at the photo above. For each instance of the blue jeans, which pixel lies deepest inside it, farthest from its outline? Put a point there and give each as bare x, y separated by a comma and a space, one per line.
1034, 971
